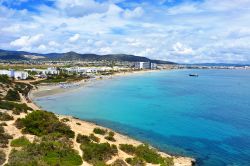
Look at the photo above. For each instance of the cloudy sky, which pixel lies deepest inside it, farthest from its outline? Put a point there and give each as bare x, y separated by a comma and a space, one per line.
189, 31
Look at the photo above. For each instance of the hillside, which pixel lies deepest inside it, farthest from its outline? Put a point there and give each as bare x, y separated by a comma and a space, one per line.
21, 55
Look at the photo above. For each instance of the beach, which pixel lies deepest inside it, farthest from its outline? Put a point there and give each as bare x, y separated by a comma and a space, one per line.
84, 127
52, 89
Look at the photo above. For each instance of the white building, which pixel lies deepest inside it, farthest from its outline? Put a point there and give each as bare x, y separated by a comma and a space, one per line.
80, 70
144, 65
75, 70
20, 75
153, 66
50, 70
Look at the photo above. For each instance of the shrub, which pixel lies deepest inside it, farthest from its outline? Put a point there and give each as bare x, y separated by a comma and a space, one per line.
1, 129
136, 161
5, 79
18, 123
94, 138
51, 150
17, 108
151, 156
20, 142
4, 138
24, 158
12, 95
23, 88
94, 152
42, 123
5, 116
110, 136
119, 162
64, 120
2, 157
100, 131
83, 139
127, 148
3, 124
79, 124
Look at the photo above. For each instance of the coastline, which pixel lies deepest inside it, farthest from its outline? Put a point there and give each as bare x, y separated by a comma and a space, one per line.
53, 89
85, 127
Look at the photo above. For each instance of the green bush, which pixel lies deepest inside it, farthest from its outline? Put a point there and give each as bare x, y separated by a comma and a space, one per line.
127, 148
1, 129
5, 79
64, 119
5, 116
94, 138
146, 154
4, 138
82, 139
24, 158
12, 95
18, 123
110, 136
100, 131
3, 124
23, 88
51, 150
136, 161
2, 157
94, 152
119, 162
17, 108
42, 123
20, 142
151, 156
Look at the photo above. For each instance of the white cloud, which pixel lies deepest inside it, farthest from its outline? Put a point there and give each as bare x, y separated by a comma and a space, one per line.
181, 49
53, 44
26, 41
42, 47
196, 31
137, 12
74, 38
79, 8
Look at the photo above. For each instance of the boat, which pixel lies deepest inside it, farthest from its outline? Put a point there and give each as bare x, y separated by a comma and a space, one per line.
193, 75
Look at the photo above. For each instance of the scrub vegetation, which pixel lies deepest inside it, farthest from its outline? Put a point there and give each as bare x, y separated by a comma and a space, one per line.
12, 95
5, 116
144, 154
15, 107
20, 142
49, 150
43, 123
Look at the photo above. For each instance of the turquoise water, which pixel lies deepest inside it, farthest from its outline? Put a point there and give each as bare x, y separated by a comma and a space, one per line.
207, 117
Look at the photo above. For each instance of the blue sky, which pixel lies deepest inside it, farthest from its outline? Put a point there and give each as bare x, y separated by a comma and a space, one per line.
186, 31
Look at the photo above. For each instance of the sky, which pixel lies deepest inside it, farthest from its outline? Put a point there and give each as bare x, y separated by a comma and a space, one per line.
183, 31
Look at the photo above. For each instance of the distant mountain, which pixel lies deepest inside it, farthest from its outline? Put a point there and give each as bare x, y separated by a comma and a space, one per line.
21, 55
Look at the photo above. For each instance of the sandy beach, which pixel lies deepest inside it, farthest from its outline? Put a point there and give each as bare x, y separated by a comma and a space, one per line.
52, 89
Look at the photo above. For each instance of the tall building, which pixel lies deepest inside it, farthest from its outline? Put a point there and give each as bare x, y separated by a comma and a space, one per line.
145, 65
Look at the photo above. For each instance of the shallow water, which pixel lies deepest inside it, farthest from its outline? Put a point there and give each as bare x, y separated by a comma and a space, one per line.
206, 117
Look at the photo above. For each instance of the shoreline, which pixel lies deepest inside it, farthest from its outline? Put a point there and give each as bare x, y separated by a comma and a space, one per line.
88, 126
44, 90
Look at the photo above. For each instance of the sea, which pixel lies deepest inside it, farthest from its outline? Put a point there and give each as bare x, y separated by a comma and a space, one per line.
205, 117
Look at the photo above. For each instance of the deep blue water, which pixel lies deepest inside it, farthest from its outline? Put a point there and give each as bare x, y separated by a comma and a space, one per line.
207, 117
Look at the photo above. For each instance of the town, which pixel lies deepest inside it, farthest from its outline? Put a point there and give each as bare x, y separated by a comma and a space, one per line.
42, 71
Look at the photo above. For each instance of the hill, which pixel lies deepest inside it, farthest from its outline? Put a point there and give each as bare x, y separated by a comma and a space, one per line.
22, 55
